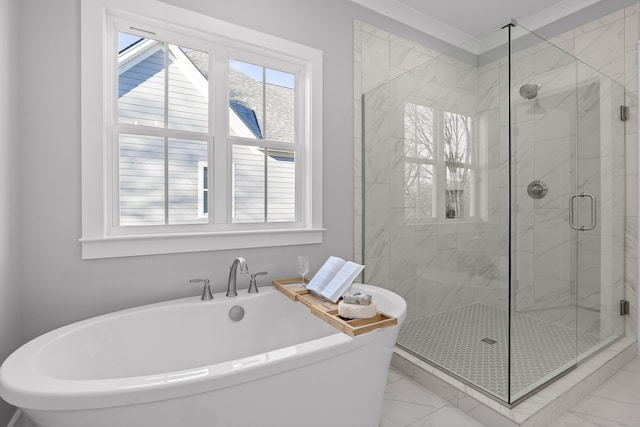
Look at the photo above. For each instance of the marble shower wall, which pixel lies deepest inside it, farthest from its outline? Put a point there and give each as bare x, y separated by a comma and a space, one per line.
436, 264
467, 263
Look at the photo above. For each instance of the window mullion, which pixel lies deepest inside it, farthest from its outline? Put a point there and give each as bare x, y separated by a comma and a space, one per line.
264, 103
166, 139
220, 187
166, 180
264, 136
266, 184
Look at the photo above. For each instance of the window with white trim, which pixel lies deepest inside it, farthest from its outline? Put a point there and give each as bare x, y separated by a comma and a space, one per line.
202, 140
439, 166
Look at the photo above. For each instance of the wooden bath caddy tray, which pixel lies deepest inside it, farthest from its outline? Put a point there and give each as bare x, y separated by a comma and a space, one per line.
328, 311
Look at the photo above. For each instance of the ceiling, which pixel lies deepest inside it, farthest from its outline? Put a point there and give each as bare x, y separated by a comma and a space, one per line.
461, 21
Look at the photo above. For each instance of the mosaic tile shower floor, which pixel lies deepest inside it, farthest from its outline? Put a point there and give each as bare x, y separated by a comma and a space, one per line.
471, 343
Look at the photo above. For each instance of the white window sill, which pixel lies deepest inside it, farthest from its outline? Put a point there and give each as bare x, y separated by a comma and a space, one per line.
125, 246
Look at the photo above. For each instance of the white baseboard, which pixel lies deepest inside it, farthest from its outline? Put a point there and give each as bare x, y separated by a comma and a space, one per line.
15, 420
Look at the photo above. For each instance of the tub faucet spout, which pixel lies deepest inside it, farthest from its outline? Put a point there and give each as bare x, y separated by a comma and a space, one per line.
231, 284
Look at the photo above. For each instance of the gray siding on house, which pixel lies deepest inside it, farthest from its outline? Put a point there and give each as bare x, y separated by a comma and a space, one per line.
142, 169
140, 103
141, 180
281, 201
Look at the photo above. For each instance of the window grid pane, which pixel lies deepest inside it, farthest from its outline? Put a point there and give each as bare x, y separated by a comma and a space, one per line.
418, 190
419, 166
141, 180
458, 173
248, 190
141, 83
262, 102
185, 156
188, 89
281, 186
246, 100
280, 106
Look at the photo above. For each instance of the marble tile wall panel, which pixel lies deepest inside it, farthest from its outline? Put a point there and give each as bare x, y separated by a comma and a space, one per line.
524, 289
375, 51
554, 245
610, 38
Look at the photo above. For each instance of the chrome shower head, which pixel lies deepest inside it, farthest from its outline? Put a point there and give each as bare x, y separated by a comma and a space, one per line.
529, 90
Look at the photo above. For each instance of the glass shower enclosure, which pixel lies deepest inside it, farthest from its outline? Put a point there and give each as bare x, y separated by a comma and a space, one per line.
493, 201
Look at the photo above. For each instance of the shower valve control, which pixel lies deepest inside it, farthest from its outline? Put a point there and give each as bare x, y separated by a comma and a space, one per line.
537, 189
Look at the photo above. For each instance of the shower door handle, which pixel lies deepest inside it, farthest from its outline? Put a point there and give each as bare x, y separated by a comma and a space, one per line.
592, 223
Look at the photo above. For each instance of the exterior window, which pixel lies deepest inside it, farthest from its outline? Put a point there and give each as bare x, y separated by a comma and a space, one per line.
204, 133
432, 179
262, 131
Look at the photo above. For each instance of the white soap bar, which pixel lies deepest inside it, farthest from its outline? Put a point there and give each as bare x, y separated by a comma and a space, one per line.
356, 311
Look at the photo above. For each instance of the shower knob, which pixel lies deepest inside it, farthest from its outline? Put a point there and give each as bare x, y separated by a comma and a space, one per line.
537, 189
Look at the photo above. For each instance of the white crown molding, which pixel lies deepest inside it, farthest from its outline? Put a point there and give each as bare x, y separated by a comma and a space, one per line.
414, 18
555, 12
421, 21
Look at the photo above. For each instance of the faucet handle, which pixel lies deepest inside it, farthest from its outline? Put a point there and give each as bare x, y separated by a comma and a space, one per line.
206, 291
253, 284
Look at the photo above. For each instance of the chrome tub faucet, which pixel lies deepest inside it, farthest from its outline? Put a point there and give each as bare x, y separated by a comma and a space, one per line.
231, 284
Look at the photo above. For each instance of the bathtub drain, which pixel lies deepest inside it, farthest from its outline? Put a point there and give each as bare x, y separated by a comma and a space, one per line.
236, 313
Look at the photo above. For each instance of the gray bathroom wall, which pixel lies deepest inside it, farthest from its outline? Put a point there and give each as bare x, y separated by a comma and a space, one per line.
10, 336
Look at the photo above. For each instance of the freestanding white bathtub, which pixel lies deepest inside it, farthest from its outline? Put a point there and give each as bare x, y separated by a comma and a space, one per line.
185, 363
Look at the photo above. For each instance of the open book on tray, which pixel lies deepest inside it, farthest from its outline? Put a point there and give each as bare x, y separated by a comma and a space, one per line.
334, 278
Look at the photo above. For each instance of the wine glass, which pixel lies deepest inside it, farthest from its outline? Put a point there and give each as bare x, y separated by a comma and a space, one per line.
303, 267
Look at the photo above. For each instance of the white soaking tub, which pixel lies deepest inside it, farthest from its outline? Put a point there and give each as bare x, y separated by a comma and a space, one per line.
186, 363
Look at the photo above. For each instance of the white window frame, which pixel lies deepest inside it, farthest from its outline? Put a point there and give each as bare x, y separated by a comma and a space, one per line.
439, 165
101, 238
201, 190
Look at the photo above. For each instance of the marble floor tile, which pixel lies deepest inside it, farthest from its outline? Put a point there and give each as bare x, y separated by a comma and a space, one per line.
605, 412
394, 375
615, 403
574, 420
447, 417
406, 402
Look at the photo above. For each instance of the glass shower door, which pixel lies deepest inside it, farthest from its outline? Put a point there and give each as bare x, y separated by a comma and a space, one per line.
599, 210
544, 153
567, 189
